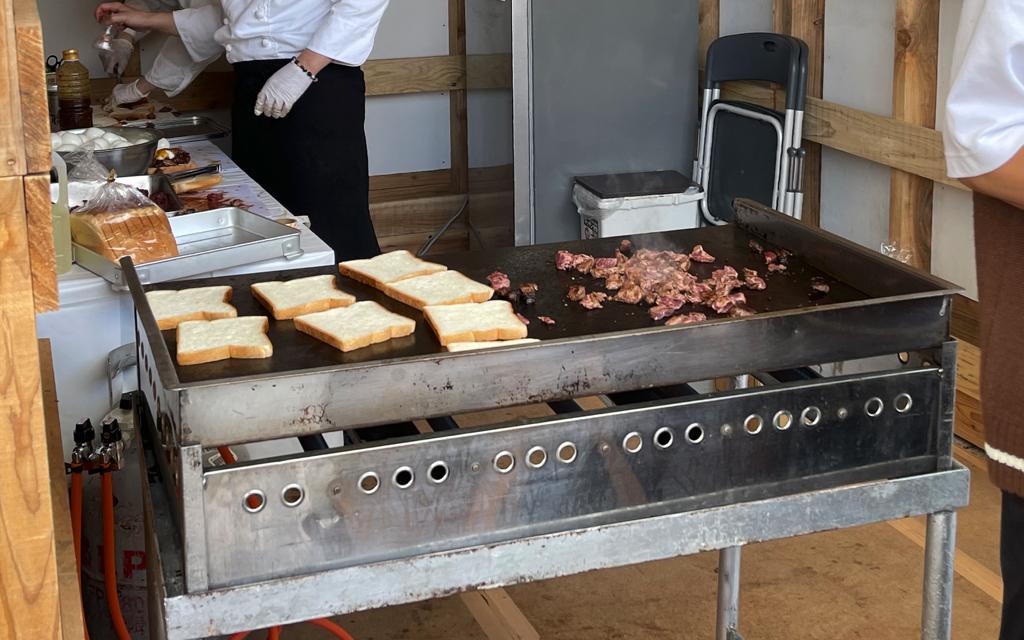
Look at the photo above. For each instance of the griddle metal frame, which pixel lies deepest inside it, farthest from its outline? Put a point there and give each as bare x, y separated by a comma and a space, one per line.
217, 572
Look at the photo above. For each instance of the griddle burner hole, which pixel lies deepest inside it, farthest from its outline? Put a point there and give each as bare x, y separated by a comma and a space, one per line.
783, 420
663, 438
567, 452
403, 477
633, 442
254, 501
753, 424
903, 403
504, 462
369, 482
873, 407
536, 457
810, 417
292, 495
695, 433
438, 472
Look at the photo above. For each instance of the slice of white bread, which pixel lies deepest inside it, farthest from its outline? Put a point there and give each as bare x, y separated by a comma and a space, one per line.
388, 267
201, 341
443, 287
171, 308
477, 346
475, 322
287, 300
355, 327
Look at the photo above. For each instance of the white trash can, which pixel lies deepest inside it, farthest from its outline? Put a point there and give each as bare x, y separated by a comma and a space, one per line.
620, 204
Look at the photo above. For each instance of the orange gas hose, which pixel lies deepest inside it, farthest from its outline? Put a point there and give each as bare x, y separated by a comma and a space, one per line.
274, 634
109, 564
227, 455
77, 492
240, 636
338, 632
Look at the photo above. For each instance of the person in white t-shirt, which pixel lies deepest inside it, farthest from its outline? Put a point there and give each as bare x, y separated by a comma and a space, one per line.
984, 139
299, 102
172, 70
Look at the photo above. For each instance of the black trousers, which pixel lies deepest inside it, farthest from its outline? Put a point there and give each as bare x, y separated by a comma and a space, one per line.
314, 159
1011, 551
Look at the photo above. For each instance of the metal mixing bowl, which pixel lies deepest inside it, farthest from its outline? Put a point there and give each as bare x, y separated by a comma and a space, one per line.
133, 160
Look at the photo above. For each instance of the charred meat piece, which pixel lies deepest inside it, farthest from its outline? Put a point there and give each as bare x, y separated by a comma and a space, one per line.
756, 247
686, 318
626, 248
770, 257
548, 320
593, 300
630, 293
583, 263
773, 268
754, 281
674, 302
819, 287
660, 313
741, 311
564, 260
604, 267
700, 255
499, 281
529, 292
576, 293
723, 303
784, 256
614, 281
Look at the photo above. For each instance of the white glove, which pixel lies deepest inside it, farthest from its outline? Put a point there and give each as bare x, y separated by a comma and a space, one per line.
127, 93
282, 90
115, 61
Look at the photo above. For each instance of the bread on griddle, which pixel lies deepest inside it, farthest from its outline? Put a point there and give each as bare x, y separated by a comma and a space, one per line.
286, 300
475, 322
477, 346
443, 287
171, 308
387, 268
202, 341
356, 326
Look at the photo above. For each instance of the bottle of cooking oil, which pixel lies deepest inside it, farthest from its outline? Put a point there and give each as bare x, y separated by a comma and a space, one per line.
73, 92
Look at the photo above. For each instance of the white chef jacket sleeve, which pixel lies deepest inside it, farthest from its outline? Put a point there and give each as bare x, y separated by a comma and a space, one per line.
174, 69
347, 35
196, 28
985, 110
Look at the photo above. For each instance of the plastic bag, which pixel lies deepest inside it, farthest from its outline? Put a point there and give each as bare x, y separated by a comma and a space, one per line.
892, 250
119, 221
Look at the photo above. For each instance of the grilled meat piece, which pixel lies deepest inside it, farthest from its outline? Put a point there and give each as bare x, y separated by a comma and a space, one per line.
756, 247
819, 288
686, 318
660, 313
630, 293
723, 303
564, 260
522, 318
529, 292
604, 267
583, 263
614, 281
754, 281
700, 255
626, 248
548, 320
741, 311
770, 257
773, 268
499, 281
576, 293
593, 300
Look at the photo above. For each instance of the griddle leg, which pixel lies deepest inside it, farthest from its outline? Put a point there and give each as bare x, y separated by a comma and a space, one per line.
940, 547
728, 594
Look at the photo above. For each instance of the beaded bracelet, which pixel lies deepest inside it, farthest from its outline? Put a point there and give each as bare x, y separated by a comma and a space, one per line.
305, 70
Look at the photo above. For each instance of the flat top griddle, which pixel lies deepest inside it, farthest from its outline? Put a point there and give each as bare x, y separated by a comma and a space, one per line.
295, 351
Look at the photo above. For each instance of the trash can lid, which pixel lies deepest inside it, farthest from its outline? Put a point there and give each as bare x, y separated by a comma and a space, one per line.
629, 185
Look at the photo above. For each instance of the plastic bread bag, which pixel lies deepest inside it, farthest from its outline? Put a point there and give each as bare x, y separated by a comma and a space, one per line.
85, 176
119, 221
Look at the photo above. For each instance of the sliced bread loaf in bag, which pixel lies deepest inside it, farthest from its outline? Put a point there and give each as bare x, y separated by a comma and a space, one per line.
387, 268
356, 326
286, 300
475, 322
444, 287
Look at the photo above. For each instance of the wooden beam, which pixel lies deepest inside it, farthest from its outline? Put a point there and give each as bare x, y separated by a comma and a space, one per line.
966, 320
887, 141
498, 616
805, 19
67, 569
28, 36
969, 423
414, 75
42, 255
708, 20
29, 605
488, 71
913, 100
408, 186
458, 112
12, 140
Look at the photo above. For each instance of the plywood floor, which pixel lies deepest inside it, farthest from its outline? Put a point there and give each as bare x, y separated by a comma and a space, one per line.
859, 583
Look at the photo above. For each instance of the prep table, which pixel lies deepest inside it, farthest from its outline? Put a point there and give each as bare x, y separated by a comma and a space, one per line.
662, 471
89, 306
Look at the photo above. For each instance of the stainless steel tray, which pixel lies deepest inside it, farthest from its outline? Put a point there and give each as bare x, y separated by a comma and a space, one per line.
187, 129
80, 192
207, 241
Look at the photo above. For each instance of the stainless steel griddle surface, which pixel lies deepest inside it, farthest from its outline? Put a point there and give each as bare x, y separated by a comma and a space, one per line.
295, 351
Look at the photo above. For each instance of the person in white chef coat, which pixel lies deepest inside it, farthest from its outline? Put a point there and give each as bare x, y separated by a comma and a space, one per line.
172, 70
984, 141
299, 103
